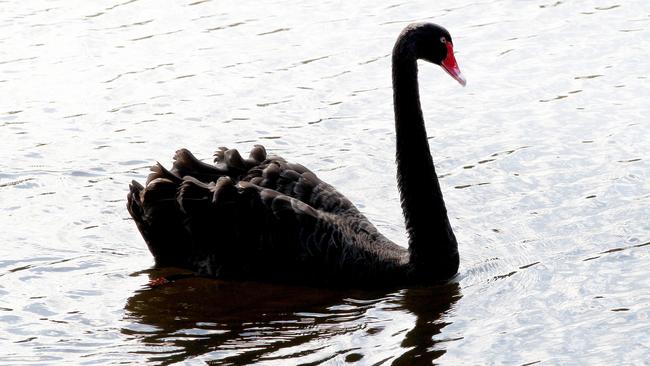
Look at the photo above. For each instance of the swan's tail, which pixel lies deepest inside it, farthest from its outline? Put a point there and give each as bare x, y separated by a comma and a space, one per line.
223, 229
204, 217
160, 207
154, 210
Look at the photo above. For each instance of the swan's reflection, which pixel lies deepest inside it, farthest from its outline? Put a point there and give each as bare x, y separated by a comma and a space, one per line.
246, 322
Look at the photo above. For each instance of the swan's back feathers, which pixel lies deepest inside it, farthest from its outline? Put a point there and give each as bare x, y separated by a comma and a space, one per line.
258, 218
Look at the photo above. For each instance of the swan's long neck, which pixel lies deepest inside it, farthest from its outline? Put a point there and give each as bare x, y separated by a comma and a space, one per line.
432, 244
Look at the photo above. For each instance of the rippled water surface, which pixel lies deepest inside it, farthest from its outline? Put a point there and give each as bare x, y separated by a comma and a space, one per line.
543, 160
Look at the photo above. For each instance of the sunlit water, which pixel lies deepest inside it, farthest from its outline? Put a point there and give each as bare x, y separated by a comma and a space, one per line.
543, 161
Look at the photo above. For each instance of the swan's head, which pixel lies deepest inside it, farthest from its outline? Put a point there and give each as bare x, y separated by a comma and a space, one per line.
433, 43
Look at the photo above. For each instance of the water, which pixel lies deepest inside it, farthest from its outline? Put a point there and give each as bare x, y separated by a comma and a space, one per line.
542, 158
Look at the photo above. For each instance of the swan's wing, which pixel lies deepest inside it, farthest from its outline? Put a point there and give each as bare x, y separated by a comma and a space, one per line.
296, 181
272, 172
228, 163
244, 231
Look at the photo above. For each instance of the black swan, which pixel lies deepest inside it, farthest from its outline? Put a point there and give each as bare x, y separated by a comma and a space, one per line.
263, 218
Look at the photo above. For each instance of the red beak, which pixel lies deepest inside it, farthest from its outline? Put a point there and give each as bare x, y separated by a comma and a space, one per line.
451, 66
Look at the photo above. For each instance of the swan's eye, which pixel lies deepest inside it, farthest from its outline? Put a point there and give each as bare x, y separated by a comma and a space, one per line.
443, 40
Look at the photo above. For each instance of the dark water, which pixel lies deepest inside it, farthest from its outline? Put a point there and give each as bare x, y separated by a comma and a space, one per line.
543, 160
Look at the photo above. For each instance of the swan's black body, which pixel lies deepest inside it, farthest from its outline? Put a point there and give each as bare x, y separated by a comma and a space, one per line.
262, 218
